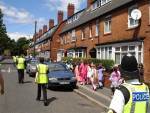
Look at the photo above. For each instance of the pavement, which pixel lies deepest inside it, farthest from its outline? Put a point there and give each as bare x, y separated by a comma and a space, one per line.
101, 97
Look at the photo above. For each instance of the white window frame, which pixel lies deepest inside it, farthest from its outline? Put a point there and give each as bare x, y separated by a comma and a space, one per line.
83, 33
103, 2
135, 22
97, 28
90, 30
107, 24
73, 35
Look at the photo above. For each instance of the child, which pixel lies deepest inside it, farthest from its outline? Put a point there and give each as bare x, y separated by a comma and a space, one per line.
100, 76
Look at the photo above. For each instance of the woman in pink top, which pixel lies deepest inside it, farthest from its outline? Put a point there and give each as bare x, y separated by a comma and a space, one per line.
83, 72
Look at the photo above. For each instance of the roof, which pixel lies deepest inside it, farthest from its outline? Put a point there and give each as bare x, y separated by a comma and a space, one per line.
89, 15
47, 35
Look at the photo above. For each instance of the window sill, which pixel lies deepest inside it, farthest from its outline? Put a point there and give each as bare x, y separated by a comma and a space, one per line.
131, 28
105, 34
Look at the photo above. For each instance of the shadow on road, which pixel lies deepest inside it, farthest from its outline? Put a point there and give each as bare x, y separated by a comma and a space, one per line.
27, 82
61, 89
51, 100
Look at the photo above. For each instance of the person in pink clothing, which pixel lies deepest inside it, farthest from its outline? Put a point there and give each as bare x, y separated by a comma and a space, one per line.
83, 72
115, 78
76, 72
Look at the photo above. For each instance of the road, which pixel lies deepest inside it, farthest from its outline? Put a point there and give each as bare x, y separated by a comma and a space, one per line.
21, 98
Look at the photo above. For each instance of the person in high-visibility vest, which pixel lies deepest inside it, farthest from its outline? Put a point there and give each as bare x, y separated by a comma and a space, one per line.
132, 96
21, 63
42, 79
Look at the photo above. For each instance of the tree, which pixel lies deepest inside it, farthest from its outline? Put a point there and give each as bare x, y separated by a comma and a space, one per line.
4, 39
22, 45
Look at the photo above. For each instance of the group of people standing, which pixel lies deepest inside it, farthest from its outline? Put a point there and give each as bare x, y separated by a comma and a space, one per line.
88, 73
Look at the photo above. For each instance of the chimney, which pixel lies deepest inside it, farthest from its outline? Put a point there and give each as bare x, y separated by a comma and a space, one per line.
51, 23
44, 29
89, 2
40, 32
70, 9
60, 16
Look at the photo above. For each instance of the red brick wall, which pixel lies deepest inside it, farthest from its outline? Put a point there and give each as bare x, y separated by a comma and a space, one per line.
55, 43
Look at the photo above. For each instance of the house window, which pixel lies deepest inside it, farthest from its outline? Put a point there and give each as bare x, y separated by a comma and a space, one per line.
107, 25
118, 50
104, 52
79, 53
90, 30
82, 33
73, 37
97, 28
131, 22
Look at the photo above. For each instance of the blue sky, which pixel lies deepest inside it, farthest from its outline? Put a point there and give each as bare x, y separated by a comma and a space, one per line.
19, 15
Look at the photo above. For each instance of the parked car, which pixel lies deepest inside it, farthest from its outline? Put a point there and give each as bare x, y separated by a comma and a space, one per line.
31, 67
60, 75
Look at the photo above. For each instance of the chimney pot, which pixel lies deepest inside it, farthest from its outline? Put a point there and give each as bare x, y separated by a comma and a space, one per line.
89, 2
71, 9
44, 29
51, 23
60, 16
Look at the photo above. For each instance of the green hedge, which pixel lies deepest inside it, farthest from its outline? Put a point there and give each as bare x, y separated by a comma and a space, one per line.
108, 64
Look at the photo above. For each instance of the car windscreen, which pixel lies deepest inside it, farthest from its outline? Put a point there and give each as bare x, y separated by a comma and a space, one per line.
34, 62
56, 67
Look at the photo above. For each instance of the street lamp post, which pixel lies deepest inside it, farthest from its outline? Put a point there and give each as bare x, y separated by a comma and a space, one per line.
34, 39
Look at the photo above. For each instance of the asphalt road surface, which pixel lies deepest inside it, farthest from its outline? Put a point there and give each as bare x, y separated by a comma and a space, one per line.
21, 98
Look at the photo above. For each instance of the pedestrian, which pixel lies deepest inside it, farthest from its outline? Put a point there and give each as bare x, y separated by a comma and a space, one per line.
114, 78
83, 72
101, 69
1, 83
42, 80
76, 71
132, 96
21, 64
89, 73
93, 76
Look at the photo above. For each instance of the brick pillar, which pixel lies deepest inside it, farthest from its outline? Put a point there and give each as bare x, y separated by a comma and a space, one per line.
51, 23
60, 16
89, 2
44, 29
71, 9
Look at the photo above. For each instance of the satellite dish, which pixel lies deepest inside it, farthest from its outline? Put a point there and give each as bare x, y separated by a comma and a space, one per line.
136, 14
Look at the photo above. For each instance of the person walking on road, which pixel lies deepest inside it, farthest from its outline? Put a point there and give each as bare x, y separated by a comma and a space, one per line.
101, 69
1, 83
21, 63
132, 96
42, 80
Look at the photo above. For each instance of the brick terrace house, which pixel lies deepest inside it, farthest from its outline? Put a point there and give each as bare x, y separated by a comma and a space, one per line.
105, 30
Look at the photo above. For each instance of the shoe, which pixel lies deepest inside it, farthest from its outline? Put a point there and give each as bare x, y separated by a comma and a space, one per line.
45, 104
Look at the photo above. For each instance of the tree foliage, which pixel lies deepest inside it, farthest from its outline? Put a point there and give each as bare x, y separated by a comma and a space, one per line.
6, 44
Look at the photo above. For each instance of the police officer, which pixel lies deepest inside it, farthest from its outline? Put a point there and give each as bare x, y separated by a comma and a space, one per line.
132, 96
21, 63
42, 80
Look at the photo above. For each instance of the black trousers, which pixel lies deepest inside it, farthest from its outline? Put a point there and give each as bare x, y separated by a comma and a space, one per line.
20, 75
43, 87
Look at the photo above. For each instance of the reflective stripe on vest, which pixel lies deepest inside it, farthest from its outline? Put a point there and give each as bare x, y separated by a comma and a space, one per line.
139, 98
42, 73
20, 64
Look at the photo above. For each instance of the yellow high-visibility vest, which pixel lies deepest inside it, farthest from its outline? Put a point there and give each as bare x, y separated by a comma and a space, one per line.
139, 98
21, 64
42, 77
